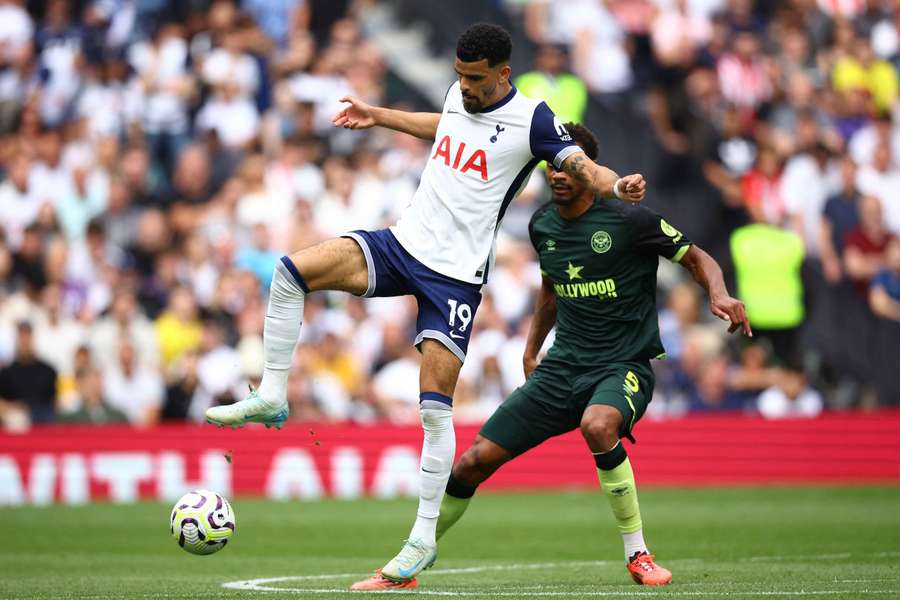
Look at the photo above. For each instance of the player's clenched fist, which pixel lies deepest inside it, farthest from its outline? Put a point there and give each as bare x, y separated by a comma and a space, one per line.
356, 116
631, 187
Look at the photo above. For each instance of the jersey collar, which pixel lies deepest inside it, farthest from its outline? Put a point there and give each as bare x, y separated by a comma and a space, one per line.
502, 102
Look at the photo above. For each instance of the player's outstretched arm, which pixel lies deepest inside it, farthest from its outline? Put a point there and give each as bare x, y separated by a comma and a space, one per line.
543, 321
360, 115
706, 271
602, 181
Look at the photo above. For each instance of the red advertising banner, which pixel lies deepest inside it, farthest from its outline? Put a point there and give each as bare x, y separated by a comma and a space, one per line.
75, 465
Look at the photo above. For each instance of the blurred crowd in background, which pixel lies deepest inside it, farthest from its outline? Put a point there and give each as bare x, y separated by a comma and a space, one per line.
158, 158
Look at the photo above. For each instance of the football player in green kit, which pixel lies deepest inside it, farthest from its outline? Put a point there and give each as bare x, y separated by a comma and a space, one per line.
598, 261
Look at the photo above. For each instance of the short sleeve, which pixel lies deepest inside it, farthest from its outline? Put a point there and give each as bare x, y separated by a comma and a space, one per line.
532, 233
653, 234
880, 280
549, 139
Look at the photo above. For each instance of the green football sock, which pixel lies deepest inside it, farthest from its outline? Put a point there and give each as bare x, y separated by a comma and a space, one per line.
451, 510
620, 490
456, 500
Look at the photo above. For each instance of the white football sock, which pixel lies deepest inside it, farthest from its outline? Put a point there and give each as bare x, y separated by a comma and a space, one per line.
634, 542
438, 449
281, 330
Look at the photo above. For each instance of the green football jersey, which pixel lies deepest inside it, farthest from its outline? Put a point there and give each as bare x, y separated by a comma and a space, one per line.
603, 268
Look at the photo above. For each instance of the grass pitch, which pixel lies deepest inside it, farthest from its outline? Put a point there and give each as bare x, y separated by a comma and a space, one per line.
719, 543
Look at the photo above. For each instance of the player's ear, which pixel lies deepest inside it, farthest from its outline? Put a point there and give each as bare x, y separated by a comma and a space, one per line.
505, 72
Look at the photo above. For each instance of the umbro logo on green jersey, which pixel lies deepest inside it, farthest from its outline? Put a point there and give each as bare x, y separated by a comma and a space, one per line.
550, 245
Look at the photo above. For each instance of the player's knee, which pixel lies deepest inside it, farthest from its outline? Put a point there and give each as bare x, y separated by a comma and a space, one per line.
476, 464
601, 431
466, 468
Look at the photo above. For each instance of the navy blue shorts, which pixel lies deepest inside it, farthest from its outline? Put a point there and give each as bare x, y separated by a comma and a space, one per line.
446, 306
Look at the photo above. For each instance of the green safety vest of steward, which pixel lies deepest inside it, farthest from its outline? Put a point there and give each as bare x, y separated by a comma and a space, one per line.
767, 262
565, 94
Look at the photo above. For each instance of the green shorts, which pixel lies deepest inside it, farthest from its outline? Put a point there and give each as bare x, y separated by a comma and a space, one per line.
556, 395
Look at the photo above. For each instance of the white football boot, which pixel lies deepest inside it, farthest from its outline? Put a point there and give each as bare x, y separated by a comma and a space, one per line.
413, 558
251, 409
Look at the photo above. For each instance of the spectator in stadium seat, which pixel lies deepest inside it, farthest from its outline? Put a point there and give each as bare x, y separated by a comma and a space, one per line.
57, 335
82, 203
29, 381
864, 142
60, 43
124, 321
725, 155
191, 182
395, 388
761, 189
220, 380
564, 93
178, 328
182, 386
881, 179
743, 72
805, 186
791, 397
331, 356
257, 256
711, 391
753, 373
884, 301
862, 70
231, 115
865, 245
92, 408
280, 20
19, 206
166, 85
884, 292
600, 47
135, 390
839, 218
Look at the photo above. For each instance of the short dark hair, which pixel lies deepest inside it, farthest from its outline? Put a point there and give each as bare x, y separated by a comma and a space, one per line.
582, 136
484, 41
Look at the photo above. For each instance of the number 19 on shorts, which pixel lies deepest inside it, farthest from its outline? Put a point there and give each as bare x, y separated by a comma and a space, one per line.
463, 312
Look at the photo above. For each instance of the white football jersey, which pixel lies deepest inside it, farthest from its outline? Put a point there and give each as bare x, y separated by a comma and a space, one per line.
478, 164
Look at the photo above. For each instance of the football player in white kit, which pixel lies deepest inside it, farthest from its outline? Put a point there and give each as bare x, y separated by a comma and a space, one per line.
487, 140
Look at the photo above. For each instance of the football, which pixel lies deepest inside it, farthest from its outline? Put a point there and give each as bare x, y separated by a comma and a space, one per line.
202, 521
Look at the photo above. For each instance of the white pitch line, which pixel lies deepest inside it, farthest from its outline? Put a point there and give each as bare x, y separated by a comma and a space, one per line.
250, 583
260, 584
525, 593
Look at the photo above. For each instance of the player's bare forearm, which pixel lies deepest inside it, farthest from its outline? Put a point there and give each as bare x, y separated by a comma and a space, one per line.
707, 272
419, 124
543, 321
360, 115
602, 180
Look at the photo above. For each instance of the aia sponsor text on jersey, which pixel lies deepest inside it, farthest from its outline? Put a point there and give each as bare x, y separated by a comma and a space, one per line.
476, 161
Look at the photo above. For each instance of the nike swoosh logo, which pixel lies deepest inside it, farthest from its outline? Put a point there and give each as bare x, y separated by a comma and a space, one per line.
409, 571
456, 337
452, 112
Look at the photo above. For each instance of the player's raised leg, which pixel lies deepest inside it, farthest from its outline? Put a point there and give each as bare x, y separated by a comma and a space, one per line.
437, 381
600, 426
337, 264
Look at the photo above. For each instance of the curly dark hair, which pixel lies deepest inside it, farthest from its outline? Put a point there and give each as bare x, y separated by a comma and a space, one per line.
582, 136
484, 40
